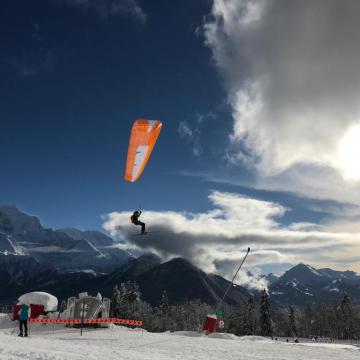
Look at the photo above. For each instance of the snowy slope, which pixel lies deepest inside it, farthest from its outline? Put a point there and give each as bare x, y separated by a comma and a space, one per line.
123, 343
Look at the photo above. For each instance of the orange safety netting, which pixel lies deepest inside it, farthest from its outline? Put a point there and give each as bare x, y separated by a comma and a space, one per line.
87, 321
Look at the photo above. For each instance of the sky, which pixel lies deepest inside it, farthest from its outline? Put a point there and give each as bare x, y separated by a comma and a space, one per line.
260, 144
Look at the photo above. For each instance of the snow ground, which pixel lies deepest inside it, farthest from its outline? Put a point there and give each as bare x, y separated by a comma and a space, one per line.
116, 342
5, 321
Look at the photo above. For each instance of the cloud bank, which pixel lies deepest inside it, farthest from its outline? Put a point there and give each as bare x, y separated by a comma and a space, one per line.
216, 240
291, 72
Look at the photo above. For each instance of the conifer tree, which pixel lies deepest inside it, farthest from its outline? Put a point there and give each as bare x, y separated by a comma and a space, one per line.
115, 302
292, 322
250, 320
163, 313
164, 303
132, 292
122, 299
308, 320
265, 318
346, 315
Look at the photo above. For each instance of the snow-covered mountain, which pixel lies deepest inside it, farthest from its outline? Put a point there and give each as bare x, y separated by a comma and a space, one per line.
304, 273
20, 226
349, 275
67, 261
304, 284
182, 281
67, 249
269, 278
96, 238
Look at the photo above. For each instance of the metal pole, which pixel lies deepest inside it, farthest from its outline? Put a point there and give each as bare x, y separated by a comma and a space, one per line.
82, 317
232, 281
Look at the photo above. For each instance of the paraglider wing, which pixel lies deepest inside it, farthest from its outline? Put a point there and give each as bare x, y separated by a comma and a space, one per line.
144, 134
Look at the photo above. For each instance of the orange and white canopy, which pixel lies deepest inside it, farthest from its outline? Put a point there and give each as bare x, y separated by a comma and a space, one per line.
144, 134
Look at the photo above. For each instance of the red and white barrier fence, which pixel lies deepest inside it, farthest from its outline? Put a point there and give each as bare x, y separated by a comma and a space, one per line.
47, 320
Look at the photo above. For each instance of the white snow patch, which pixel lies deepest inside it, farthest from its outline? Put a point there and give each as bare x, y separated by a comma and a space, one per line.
225, 336
5, 322
187, 333
49, 301
100, 254
134, 344
52, 249
86, 271
255, 338
18, 249
314, 271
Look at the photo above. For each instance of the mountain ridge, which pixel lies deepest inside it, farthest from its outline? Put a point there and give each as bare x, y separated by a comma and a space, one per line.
65, 249
303, 284
69, 260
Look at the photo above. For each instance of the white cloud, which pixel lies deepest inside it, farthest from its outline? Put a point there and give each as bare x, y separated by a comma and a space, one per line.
52, 249
192, 131
291, 71
215, 240
185, 131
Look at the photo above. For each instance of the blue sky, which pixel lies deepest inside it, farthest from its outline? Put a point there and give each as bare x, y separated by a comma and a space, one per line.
238, 117
73, 83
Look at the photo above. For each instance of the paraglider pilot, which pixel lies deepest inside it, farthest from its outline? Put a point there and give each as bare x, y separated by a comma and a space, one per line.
135, 220
24, 315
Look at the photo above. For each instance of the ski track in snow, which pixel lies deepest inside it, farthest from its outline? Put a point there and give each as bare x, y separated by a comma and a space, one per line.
128, 344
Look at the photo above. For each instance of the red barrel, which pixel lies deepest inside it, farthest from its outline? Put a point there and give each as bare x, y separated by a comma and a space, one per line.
210, 323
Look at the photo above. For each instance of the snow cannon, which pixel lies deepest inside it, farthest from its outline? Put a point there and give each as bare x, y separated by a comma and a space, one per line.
210, 323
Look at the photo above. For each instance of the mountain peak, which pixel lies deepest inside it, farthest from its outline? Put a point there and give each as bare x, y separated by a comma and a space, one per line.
303, 273
11, 211
10, 207
183, 280
150, 258
180, 262
312, 269
15, 222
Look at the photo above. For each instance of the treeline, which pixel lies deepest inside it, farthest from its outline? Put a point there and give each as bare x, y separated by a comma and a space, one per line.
251, 317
